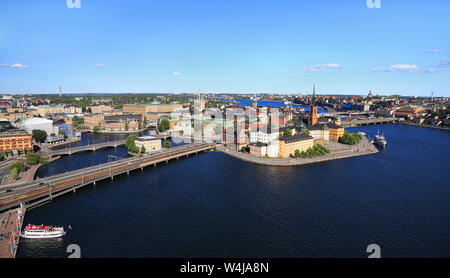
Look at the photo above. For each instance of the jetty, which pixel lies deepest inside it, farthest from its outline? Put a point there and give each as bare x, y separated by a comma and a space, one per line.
11, 223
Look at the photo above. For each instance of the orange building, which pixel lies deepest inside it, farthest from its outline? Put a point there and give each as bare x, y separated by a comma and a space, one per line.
17, 140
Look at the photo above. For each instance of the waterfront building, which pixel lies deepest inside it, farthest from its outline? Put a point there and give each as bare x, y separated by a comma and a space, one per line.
269, 149
15, 140
288, 145
336, 131
320, 133
150, 143
121, 122
93, 120
258, 149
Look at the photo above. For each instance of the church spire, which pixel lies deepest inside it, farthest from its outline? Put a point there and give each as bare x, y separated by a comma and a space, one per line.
314, 95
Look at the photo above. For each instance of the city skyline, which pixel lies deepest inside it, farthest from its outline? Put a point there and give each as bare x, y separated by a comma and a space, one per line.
232, 47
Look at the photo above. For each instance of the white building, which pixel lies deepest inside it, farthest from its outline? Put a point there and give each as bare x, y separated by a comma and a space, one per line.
263, 137
150, 143
41, 124
272, 149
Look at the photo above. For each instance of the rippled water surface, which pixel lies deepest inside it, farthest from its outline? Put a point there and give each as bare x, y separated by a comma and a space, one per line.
213, 205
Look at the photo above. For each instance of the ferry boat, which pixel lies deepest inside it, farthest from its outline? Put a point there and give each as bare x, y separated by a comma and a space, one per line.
380, 140
33, 231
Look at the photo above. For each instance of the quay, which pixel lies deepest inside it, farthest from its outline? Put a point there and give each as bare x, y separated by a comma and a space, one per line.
338, 151
43, 190
10, 228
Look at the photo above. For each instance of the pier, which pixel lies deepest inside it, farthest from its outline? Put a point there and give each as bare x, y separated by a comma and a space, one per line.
43, 190
10, 228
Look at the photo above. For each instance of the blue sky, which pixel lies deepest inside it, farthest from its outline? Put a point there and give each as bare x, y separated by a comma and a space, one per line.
239, 46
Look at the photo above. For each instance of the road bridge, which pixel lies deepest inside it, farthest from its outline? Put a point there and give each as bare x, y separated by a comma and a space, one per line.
44, 190
375, 121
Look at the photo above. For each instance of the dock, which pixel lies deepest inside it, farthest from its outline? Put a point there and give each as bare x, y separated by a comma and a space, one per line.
10, 228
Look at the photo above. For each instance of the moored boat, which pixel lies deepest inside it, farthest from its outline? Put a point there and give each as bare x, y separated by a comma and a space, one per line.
380, 140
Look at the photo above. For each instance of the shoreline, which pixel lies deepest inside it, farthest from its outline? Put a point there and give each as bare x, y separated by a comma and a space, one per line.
344, 153
427, 126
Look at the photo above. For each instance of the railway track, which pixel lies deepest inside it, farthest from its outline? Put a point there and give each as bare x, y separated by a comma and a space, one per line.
43, 190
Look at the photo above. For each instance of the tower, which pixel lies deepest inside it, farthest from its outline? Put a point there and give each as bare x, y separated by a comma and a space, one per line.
312, 119
60, 94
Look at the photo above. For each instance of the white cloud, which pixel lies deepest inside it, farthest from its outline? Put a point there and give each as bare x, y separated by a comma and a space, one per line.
399, 68
432, 51
176, 73
284, 53
321, 68
99, 65
14, 66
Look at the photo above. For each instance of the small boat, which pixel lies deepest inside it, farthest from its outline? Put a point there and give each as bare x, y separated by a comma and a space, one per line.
380, 140
33, 231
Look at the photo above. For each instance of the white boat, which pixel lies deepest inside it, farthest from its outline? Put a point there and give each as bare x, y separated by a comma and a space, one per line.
33, 231
380, 140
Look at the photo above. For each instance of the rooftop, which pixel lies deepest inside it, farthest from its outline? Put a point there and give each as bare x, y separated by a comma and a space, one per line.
147, 138
296, 138
14, 133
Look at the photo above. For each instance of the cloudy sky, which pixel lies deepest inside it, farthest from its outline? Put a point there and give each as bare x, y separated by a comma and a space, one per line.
240, 46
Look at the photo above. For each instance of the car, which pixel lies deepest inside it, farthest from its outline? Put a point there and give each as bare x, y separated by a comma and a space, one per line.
9, 190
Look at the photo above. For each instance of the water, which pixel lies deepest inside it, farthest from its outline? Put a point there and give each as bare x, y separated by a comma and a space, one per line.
213, 205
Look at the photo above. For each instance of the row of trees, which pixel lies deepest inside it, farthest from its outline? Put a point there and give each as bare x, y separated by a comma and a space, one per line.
11, 153
316, 150
350, 138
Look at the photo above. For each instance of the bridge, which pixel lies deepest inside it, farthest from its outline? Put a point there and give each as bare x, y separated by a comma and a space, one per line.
375, 121
91, 147
44, 190
68, 150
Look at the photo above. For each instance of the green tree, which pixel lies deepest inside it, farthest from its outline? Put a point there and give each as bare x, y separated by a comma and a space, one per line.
131, 146
19, 166
143, 150
167, 144
126, 125
39, 135
297, 153
14, 174
96, 129
140, 125
145, 122
164, 125
62, 132
34, 158
288, 132
350, 138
